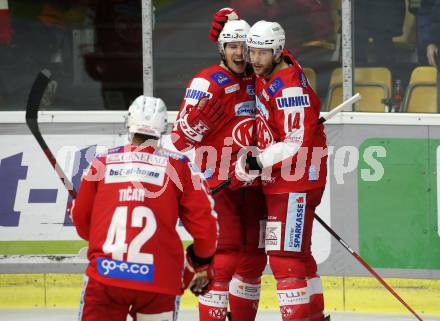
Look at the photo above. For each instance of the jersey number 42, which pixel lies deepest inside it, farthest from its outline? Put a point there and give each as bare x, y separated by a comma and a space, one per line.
115, 242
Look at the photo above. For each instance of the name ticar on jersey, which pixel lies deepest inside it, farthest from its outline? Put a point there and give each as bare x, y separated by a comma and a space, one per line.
293, 101
196, 94
131, 194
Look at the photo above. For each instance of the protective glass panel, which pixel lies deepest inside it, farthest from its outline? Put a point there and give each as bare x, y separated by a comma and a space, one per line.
396, 44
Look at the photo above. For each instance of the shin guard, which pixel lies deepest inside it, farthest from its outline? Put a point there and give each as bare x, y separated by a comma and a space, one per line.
294, 299
244, 296
213, 305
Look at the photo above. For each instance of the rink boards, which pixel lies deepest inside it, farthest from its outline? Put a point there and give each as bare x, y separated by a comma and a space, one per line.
381, 197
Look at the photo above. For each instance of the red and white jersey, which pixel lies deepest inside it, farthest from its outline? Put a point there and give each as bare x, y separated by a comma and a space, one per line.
217, 151
127, 208
292, 144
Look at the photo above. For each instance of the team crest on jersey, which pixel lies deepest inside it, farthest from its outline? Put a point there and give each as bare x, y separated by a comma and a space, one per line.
275, 85
293, 101
244, 132
220, 78
196, 94
264, 134
217, 313
250, 89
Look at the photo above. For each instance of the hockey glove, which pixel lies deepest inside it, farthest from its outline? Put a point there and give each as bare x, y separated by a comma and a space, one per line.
198, 272
244, 165
219, 20
202, 119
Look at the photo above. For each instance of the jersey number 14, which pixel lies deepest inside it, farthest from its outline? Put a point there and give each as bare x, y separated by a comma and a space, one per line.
293, 121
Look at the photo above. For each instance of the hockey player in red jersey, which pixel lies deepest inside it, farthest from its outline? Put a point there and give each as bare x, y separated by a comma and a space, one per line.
127, 209
218, 128
291, 161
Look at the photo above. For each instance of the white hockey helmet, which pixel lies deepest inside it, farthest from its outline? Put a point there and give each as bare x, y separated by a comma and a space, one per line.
147, 116
233, 31
267, 35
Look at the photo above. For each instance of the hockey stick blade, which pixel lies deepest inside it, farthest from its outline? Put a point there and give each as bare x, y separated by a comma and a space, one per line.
321, 120
36, 94
33, 105
366, 265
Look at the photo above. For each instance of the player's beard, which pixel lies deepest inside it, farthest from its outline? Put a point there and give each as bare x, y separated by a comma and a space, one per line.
265, 71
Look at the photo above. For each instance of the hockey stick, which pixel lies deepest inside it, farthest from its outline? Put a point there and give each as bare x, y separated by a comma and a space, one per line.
33, 105
437, 61
321, 120
365, 265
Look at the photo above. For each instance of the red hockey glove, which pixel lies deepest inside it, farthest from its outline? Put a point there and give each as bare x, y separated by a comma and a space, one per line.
202, 119
198, 272
219, 20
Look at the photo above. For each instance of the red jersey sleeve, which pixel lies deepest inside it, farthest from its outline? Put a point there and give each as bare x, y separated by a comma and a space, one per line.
197, 211
82, 210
